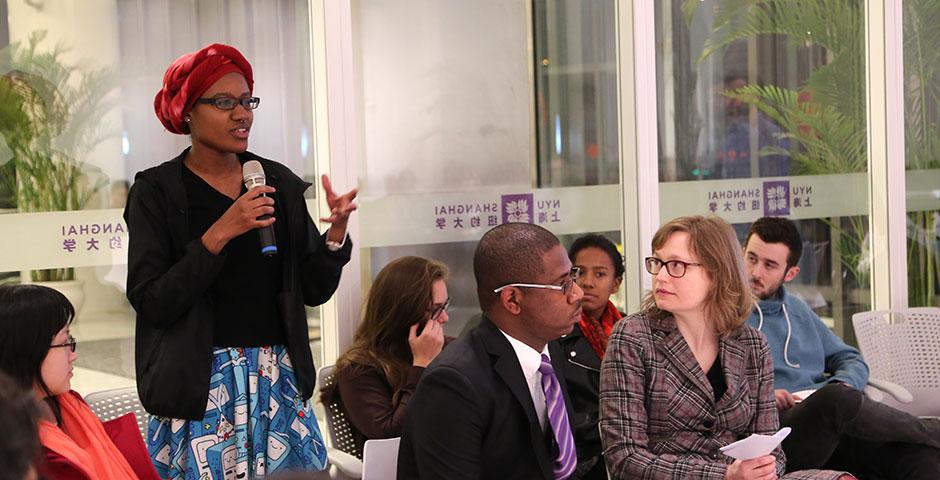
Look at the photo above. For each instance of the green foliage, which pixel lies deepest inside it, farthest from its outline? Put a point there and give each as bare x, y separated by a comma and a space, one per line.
50, 120
826, 117
922, 141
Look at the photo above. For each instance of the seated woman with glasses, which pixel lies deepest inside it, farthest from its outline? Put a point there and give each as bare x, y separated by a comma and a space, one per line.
37, 352
685, 376
400, 334
601, 272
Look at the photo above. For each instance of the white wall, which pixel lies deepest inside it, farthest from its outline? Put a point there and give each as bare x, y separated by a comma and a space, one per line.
446, 95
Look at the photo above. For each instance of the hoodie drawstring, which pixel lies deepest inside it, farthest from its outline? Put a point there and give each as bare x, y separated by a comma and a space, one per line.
786, 344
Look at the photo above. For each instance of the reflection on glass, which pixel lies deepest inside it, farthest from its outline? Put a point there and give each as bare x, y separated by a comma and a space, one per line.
77, 121
750, 90
922, 144
576, 93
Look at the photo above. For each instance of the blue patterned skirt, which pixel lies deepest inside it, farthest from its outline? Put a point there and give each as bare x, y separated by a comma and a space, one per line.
256, 423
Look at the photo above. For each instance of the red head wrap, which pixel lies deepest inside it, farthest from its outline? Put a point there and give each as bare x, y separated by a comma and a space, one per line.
190, 76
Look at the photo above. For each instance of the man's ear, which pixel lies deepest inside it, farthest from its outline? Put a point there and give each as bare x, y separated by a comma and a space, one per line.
509, 299
792, 272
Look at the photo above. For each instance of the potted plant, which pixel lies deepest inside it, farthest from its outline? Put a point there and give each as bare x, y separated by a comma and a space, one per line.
826, 117
50, 120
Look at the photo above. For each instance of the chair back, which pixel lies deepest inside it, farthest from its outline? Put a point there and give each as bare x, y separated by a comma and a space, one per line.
903, 346
380, 459
116, 402
338, 428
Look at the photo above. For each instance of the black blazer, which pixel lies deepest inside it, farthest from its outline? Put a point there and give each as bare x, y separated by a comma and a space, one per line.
168, 278
472, 416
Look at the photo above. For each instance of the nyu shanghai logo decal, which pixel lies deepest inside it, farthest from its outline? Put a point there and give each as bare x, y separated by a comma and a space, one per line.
517, 208
777, 198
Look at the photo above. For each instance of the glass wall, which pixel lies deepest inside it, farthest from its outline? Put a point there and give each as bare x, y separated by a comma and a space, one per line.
466, 115
922, 149
775, 100
463, 129
78, 81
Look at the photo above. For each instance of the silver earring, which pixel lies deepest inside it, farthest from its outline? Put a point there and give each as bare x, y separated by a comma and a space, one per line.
187, 119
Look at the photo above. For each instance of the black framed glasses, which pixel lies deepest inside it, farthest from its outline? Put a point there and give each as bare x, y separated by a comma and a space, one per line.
229, 103
437, 310
71, 344
675, 268
564, 288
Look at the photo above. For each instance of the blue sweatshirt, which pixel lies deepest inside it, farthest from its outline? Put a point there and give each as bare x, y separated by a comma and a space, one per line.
806, 354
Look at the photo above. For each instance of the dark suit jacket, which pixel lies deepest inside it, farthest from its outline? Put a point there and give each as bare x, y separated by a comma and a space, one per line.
472, 416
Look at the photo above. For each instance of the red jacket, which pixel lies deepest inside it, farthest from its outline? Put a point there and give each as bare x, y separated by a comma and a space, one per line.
123, 432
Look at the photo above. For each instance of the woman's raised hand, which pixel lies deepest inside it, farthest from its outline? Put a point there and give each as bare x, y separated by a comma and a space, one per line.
341, 206
426, 346
240, 217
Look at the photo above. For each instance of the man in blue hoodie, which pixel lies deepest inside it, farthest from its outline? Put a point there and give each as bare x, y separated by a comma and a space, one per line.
837, 426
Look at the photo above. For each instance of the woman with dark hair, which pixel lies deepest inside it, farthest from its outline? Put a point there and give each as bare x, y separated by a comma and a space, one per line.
219, 272
601, 270
401, 332
19, 444
685, 376
37, 352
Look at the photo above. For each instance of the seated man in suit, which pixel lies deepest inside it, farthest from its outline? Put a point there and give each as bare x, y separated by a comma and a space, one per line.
491, 405
837, 426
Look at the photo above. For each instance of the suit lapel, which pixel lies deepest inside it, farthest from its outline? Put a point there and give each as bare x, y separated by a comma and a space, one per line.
733, 355
507, 368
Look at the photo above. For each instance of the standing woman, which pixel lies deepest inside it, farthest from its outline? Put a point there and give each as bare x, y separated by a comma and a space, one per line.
601, 273
686, 376
223, 356
402, 331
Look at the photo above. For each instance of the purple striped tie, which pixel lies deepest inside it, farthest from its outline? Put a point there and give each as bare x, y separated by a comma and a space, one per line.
566, 460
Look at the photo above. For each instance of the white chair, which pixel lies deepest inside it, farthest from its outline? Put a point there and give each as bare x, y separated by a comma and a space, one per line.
380, 459
116, 402
342, 451
902, 349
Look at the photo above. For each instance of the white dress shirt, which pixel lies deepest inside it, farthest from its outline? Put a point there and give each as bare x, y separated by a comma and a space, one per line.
530, 360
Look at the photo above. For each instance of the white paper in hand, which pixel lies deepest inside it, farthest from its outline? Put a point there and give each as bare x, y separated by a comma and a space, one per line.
755, 445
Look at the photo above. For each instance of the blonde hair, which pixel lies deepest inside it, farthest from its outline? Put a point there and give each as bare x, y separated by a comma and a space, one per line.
713, 242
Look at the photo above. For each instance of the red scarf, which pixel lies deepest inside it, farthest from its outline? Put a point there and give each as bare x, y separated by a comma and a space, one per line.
598, 332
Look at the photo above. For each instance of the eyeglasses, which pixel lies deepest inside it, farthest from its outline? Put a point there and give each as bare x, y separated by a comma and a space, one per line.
675, 268
438, 310
71, 343
565, 286
229, 103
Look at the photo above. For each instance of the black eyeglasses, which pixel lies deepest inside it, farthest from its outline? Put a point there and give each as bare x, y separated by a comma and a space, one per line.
675, 268
229, 103
71, 343
564, 288
436, 311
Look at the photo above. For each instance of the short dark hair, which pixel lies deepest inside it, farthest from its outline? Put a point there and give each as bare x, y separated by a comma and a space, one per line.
778, 230
30, 317
509, 253
19, 415
602, 243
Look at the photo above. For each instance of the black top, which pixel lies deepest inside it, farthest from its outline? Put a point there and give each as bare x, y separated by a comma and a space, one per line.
169, 277
244, 293
717, 378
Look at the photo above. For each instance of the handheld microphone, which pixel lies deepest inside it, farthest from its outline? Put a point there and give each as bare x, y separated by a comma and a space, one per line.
253, 175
